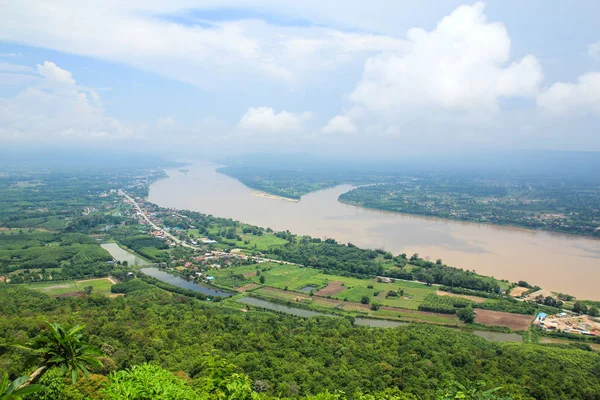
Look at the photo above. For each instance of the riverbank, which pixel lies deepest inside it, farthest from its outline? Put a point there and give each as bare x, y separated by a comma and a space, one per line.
272, 196
524, 228
504, 252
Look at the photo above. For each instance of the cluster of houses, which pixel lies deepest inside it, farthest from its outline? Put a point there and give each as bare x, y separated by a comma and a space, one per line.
563, 322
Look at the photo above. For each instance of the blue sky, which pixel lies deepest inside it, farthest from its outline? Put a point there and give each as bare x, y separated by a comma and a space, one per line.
346, 76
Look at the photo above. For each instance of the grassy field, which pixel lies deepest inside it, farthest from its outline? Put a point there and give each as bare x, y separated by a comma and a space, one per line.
101, 286
295, 278
414, 293
255, 242
352, 308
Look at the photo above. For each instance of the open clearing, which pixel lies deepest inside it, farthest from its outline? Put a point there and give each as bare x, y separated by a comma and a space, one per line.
364, 309
247, 287
517, 322
518, 291
294, 278
463, 296
332, 288
101, 286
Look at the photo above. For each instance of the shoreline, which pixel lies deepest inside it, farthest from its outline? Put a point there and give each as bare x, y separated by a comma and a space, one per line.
508, 226
480, 265
266, 195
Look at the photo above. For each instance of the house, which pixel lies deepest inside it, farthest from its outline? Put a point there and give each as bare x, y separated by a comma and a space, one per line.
209, 241
540, 318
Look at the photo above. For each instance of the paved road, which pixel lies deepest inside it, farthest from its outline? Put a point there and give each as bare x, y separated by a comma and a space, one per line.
176, 240
156, 227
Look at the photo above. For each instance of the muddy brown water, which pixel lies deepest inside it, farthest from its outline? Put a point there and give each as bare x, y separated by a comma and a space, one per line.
557, 262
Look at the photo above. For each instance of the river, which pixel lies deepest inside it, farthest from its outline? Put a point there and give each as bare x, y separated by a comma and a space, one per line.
182, 283
557, 262
120, 254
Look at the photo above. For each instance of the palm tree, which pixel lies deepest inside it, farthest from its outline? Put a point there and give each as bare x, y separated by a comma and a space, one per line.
62, 348
11, 390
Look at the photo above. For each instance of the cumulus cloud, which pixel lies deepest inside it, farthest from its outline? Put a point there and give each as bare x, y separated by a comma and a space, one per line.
463, 64
54, 107
53, 73
565, 99
340, 124
265, 119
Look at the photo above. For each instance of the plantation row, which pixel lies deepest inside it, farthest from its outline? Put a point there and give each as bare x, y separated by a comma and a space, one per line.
443, 304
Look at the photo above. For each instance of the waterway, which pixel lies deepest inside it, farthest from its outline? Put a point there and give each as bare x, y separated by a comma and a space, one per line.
374, 323
499, 336
182, 283
300, 312
120, 254
557, 262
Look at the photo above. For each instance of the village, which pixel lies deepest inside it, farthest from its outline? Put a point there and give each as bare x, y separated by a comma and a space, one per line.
201, 258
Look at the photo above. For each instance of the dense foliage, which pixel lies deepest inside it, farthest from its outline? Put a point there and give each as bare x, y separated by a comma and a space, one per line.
291, 356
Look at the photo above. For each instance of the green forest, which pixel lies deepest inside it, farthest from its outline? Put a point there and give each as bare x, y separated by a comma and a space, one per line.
284, 356
76, 324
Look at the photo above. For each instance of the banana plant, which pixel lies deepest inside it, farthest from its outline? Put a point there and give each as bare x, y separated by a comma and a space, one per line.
63, 348
14, 391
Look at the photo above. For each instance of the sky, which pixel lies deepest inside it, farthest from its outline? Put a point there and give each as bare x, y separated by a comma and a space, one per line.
337, 76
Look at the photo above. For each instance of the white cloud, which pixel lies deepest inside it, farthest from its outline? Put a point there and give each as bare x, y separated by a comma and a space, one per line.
594, 51
11, 79
578, 98
463, 64
53, 73
264, 119
8, 67
208, 54
54, 107
9, 54
340, 124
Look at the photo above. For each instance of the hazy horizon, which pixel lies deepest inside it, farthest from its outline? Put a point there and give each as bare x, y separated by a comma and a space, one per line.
221, 78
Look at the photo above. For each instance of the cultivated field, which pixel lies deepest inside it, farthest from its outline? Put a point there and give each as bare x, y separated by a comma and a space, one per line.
324, 304
474, 299
101, 286
517, 322
341, 288
247, 287
331, 289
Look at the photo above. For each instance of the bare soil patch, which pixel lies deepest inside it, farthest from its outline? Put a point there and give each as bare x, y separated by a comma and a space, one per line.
463, 296
518, 291
331, 289
110, 279
518, 322
247, 287
543, 293
249, 274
